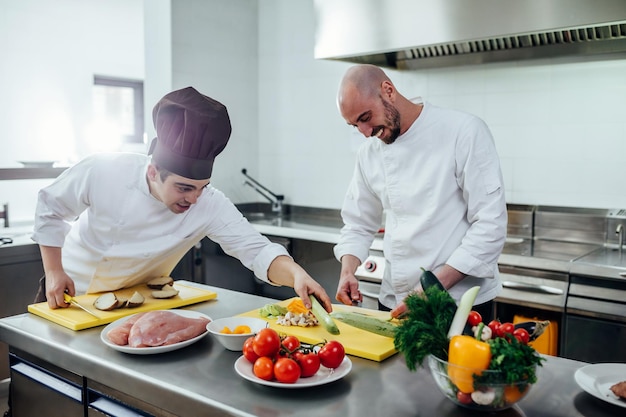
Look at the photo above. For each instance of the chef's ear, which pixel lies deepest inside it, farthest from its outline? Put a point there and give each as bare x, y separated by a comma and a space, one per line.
152, 172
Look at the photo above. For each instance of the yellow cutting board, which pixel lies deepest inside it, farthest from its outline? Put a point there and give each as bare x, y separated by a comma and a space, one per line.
355, 341
76, 319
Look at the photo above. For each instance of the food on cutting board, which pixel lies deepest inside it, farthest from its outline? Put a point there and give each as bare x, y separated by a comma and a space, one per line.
160, 282
306, 319
365, 322
106, 302
286, 359
619, 389
167, 291
157, 328
135, 300
272, 310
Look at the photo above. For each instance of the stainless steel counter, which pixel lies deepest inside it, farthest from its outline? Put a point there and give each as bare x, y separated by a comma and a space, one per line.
200, 379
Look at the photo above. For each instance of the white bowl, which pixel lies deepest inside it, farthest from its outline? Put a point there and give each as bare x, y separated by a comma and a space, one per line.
231, 341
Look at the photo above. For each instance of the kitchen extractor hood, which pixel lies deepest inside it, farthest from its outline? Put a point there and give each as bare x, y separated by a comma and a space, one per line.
411, 34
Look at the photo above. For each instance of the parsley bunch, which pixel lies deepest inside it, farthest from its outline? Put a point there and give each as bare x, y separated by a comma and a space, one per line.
514, 360
424, 330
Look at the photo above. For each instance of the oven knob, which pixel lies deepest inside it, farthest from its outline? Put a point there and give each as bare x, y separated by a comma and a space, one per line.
370, 266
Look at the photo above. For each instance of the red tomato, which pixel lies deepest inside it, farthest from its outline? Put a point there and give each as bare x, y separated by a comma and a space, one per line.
522, 335
331, 354
474, 318
494, 325
266, 342
309, 364
463, 397
248, 352
506, 328
286, 370
264, 368
291, 343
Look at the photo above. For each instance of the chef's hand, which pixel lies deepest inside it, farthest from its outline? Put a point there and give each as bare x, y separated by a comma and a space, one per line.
58, 283
348, 288
399, 311
284, 271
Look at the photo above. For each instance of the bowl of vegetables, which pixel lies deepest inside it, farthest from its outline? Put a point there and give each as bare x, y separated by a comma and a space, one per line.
485, 367
478, 389
232, 332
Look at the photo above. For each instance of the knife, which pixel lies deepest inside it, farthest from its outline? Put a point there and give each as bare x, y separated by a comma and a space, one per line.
69, 299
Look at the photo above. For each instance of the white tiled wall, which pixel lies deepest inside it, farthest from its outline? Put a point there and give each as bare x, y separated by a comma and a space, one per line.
559, 125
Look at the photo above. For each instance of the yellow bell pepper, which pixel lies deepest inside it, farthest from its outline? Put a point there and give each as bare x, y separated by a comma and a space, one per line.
467, 356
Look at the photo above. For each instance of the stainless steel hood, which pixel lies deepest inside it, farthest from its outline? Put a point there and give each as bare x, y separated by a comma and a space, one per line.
411, 34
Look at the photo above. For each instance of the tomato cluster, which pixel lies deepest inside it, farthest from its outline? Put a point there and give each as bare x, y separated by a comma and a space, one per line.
498, 329
285, 359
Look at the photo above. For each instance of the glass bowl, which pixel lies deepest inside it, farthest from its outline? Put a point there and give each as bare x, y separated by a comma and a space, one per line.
492, 396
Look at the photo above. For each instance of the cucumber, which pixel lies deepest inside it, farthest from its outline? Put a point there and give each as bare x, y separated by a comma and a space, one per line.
365, 322
322, 316
428, 279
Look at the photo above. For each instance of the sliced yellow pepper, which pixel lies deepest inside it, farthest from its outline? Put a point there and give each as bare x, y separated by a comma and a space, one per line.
467, 356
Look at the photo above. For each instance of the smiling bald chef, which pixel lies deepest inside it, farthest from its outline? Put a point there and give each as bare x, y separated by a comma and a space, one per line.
116, 220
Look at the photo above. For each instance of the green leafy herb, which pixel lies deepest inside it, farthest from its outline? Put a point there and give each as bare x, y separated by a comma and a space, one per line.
424, 329
515, 361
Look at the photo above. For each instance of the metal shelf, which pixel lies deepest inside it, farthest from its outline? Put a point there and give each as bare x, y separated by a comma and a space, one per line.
29, 173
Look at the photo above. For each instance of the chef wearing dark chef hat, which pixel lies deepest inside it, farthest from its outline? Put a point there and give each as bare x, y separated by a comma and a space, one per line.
120, 219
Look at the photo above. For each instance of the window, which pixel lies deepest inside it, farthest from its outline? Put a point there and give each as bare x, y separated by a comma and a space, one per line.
118, 108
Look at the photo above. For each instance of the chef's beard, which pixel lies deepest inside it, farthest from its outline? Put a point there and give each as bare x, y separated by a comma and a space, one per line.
392, 117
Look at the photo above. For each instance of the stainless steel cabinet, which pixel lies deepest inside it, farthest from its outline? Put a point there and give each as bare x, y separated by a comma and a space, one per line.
20, 270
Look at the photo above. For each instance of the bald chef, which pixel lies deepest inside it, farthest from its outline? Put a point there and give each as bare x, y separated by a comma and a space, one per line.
116, 220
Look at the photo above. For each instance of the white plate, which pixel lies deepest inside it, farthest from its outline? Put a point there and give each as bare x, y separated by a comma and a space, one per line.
323, 376
597, 380
156, 349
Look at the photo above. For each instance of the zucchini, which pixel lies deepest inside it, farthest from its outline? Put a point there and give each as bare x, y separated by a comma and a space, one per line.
322, 316
365, 322
428, 279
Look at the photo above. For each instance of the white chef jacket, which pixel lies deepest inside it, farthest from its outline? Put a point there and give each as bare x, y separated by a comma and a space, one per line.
115, 234
441, 189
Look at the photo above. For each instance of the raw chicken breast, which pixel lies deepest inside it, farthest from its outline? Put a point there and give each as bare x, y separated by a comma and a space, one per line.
160, 328
119, 334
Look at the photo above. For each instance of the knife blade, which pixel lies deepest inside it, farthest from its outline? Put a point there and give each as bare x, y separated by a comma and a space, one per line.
69, 299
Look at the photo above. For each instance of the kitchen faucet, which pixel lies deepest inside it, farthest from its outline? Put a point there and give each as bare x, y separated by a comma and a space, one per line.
619, 231
275, 199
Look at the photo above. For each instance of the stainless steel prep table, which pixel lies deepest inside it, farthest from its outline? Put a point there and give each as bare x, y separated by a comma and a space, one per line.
200, 379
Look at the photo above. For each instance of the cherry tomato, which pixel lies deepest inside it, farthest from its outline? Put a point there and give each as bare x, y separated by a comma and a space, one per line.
291, 343
266, 342
494, 325
264, 368
331, 354
248, 352
474, 318
464, 398
522, 335
286, 370
506, 328
309, 364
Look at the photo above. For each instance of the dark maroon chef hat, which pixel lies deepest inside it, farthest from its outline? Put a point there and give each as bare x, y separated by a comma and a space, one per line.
192, 129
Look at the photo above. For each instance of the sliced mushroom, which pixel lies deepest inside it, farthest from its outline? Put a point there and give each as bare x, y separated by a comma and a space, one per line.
135, 300
166, 292
160, 282
106, 302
